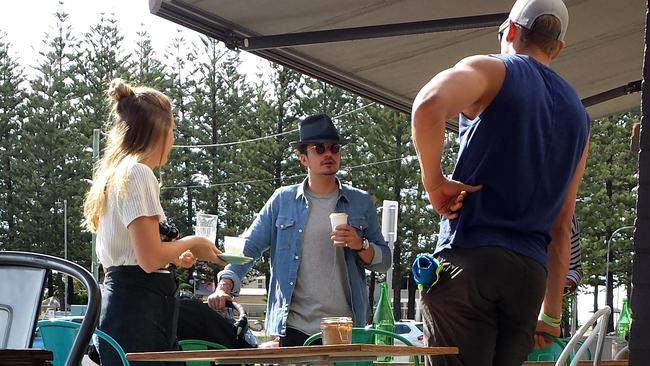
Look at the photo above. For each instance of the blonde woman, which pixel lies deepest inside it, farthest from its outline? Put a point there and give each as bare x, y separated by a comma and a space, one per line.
139, 308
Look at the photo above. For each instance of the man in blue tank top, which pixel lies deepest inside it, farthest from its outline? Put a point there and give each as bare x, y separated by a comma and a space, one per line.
506, 211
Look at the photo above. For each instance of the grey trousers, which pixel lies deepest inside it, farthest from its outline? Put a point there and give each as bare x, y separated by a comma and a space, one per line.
486, 303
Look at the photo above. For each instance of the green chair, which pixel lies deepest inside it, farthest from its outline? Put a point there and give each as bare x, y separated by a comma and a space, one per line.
198, 345
554, 351
58, 336
550, 353
365, 336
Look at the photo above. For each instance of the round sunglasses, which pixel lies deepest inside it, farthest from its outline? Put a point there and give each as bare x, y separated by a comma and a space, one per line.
321, 148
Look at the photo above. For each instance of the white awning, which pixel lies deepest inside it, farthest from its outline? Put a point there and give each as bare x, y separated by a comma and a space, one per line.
602, 60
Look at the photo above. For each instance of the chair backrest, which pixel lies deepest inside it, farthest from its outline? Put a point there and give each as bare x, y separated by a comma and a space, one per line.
367, 335
21, 289
599, 322
622, 354
198, 345
37, 265
58, 336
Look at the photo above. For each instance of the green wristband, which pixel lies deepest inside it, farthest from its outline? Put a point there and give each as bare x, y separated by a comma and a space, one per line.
553, 322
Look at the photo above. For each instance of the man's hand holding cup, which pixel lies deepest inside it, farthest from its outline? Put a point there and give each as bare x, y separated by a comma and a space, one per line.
343, 234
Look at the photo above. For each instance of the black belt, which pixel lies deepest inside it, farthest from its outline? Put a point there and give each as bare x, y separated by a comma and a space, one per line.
129, 268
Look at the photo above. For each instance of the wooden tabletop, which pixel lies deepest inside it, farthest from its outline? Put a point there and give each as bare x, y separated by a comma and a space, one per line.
25, 357
321, 354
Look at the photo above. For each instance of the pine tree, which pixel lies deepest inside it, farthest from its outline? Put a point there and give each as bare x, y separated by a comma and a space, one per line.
387, 143
207, 124
12, 114
180, 182
52, 144
146, 68
51, 153
607, 203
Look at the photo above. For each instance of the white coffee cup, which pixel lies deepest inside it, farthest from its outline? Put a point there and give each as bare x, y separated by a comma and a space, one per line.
338, 218
233, 245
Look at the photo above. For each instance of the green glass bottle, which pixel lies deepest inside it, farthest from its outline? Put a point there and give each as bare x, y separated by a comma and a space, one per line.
624, 320
383, 319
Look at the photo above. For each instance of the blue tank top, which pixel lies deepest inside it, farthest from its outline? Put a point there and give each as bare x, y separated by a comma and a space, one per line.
524, 149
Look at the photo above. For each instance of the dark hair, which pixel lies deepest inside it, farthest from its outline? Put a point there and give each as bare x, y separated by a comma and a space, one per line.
543, 34
302, 148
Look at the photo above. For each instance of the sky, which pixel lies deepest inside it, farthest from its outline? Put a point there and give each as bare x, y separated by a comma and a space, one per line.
25, 23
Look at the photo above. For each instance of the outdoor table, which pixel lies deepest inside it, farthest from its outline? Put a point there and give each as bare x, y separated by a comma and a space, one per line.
301, 355
25, 357
580, 363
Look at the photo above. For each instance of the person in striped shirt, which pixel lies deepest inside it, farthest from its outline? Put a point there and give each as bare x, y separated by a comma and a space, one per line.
575, 261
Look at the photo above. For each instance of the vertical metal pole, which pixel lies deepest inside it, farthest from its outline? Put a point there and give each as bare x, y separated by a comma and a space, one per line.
94, 265
389, 231
640, 326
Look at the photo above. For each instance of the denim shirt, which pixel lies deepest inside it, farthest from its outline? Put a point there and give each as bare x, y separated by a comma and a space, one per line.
279, 227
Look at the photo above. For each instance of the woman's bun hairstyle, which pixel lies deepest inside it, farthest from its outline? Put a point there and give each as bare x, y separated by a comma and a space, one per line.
119, 89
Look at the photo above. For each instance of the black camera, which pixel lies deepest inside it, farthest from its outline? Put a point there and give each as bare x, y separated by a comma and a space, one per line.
167, 232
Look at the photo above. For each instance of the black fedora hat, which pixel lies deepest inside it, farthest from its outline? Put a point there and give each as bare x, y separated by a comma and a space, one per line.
318, 129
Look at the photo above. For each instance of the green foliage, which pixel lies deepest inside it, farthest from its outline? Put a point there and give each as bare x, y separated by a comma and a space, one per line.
12, 114
51, 149
607, 201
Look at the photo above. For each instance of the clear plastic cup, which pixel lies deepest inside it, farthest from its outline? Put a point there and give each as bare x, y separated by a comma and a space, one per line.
206, 220
209, 232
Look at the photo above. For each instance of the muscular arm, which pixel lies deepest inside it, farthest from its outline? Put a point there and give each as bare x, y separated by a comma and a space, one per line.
468, 87
558, 254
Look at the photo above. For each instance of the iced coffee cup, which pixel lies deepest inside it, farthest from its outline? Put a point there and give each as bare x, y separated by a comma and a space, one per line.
338, 218
336, 330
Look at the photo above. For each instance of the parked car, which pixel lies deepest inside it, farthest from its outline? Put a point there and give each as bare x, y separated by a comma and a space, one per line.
411, 330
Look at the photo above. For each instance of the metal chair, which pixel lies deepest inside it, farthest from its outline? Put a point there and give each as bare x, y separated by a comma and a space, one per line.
21, 289
599, 322
623, 353
58, 336
197, 345
365, 335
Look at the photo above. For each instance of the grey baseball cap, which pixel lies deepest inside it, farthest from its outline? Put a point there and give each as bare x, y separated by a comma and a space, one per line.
526, 12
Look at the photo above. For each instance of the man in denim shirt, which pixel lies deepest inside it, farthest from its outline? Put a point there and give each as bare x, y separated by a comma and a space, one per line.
315, 272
